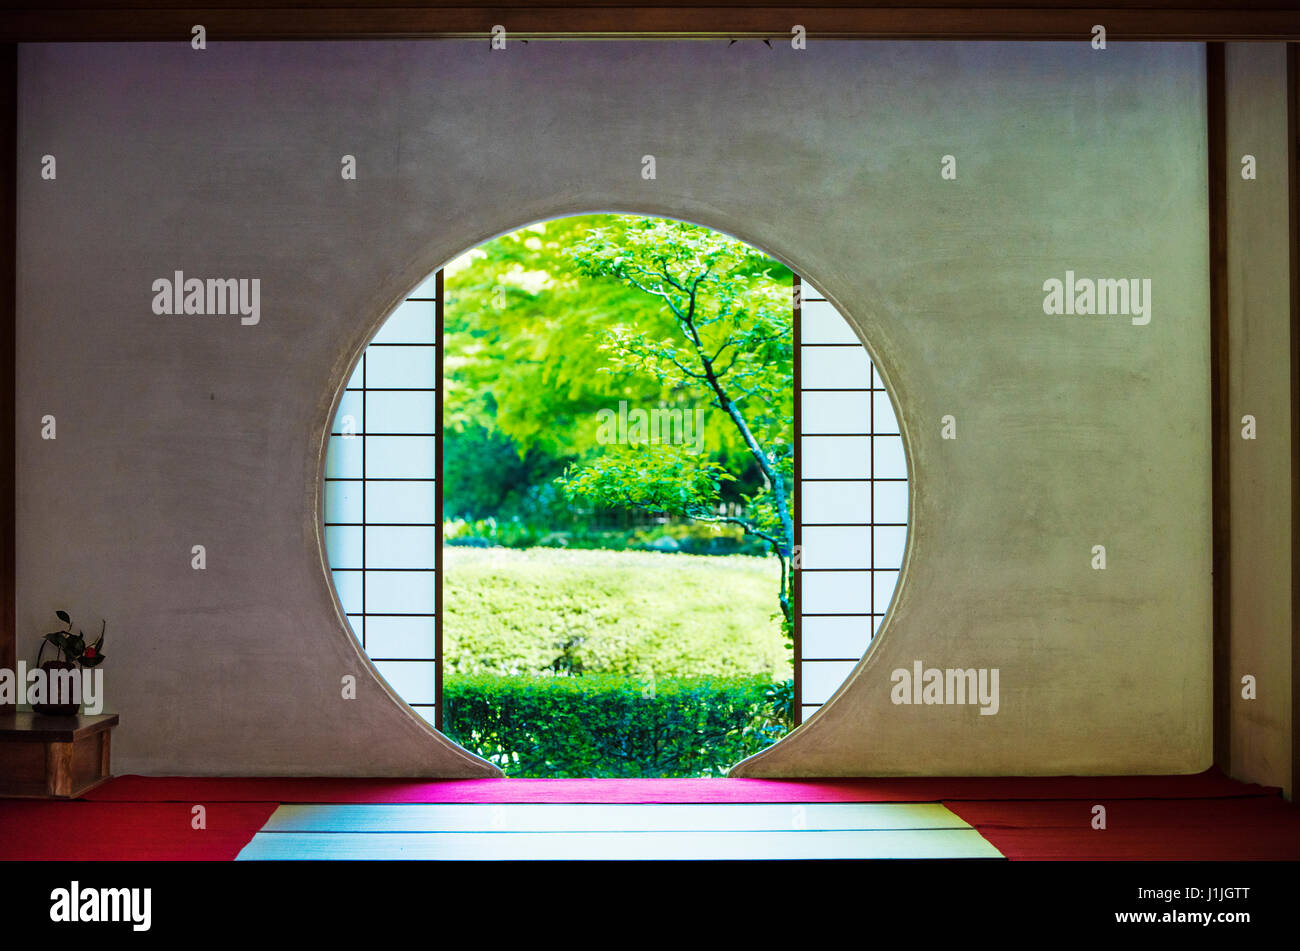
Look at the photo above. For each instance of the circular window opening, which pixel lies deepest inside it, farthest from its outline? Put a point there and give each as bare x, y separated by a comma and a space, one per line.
609, 476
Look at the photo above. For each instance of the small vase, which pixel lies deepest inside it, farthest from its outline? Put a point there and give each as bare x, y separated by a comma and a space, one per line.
55, 709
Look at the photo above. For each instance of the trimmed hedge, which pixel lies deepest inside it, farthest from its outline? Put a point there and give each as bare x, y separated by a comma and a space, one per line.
508, 612
609, 725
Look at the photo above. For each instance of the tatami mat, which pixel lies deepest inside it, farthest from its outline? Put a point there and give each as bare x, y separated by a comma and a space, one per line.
536, 831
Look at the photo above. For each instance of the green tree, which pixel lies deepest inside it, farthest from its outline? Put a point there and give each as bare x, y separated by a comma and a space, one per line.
522, 329
525, 371
722, 332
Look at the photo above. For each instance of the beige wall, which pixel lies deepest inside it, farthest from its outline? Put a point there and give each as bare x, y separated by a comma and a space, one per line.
1259, 335
176, 431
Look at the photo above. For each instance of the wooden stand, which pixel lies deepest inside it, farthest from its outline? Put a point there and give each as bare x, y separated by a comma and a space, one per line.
53, 757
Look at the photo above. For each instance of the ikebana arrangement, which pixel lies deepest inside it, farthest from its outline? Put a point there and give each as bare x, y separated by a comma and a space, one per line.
73, 654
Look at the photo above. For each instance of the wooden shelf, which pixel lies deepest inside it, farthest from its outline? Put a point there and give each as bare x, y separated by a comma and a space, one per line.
53, 757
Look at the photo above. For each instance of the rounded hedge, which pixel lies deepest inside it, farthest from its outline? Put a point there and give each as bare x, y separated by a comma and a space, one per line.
607, 725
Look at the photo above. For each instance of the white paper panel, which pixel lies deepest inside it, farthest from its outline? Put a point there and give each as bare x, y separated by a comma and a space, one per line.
820, 322
834, 457
846, 412
836, 592
842, 502
835, 368
823, 678
836, 547
836, 637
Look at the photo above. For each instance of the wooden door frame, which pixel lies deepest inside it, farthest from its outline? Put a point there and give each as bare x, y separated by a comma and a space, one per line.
1125, 20
8, 357
1293, 148
796, 502
1220, 421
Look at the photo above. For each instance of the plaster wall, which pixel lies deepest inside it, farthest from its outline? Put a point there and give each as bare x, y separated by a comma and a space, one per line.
1259, 335
176, 431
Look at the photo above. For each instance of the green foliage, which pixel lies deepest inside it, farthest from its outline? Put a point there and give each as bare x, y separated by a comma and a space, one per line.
658, 478
487, 532
486, 474
701, 538
780, 698
510, 612
532, 352
523, 328
550, 325
562, 662
727, 307
731, 343
692, 538
764, 515
608, 726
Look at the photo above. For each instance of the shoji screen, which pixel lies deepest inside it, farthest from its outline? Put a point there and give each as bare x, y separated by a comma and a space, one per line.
381, 499
852, 508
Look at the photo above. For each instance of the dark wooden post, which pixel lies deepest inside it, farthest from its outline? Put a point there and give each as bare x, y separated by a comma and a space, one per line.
8, 304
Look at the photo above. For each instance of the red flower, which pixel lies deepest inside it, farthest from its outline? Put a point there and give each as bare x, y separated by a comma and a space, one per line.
90, 652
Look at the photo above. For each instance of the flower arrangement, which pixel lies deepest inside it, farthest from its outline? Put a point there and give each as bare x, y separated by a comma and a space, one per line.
73, 649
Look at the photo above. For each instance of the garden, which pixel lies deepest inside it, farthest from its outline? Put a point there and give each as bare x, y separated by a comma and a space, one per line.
617, 510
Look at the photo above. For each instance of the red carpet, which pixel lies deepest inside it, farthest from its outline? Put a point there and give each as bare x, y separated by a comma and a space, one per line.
1252, 829
1201, 817
1208, 785
129, 832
